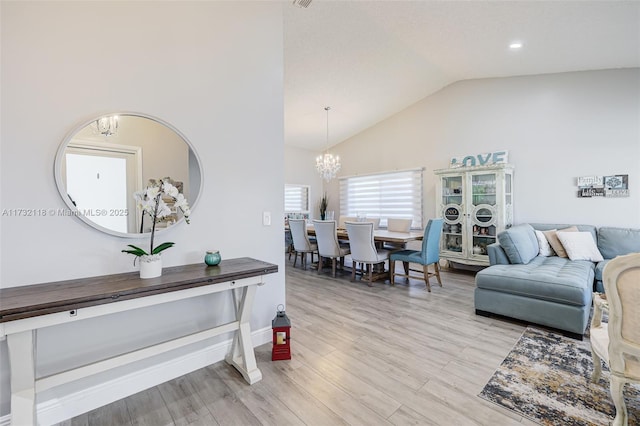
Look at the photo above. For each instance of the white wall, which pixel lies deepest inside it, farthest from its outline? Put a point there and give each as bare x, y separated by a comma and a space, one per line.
214, 70
556, 128
300, 170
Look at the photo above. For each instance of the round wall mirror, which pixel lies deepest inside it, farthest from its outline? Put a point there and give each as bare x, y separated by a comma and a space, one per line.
103, 162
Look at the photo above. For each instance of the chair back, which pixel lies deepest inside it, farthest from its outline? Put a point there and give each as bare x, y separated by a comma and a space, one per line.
621, 278
326, 238
375, 221
398, 225
431, 241
298, 228
361, 242
344, 219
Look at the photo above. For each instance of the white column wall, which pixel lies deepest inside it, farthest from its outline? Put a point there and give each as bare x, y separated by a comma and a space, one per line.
214, 70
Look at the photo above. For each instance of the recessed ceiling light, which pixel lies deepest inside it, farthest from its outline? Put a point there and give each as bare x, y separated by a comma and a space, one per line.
515, 45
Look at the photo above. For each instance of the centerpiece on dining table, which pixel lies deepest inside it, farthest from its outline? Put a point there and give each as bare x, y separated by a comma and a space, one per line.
152, 202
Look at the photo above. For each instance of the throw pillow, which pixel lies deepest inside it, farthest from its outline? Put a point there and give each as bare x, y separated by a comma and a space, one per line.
552, 237
580, 246
545, 247
519, 243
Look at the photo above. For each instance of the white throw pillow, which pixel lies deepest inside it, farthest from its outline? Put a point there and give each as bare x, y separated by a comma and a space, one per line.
545, 247
580, 246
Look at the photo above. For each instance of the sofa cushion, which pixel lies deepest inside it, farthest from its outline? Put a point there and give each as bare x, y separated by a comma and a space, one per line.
614, 242
552, 236
599, 268
580, 246
553, 279
519, 243
548, 226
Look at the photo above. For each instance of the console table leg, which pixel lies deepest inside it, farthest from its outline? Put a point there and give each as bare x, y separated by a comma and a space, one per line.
242, 356
22, 353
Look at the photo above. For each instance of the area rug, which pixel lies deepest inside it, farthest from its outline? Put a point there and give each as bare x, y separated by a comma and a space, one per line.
546, 378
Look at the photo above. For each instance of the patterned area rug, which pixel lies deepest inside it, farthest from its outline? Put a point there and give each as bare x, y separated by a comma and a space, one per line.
546, 378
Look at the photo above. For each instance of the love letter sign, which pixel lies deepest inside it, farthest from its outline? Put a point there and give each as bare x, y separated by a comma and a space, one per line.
484, 159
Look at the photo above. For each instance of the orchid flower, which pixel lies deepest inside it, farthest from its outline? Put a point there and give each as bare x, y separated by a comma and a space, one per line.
150, 201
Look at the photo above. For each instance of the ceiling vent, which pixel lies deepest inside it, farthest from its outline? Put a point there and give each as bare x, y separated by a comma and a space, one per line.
302, 3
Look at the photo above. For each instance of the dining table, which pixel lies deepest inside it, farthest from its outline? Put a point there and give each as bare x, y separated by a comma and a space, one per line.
379, 235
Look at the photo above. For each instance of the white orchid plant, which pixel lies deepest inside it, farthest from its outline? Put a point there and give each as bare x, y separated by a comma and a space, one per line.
150, 202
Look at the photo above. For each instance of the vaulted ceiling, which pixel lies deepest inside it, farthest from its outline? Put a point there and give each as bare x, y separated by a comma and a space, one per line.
371, 59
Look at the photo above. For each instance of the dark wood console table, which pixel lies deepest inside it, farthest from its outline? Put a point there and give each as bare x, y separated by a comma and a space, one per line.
25, 309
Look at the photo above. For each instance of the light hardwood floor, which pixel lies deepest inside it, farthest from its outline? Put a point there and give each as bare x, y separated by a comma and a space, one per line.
360, 356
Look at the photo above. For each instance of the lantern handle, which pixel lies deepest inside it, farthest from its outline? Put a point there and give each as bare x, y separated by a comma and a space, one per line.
279, 309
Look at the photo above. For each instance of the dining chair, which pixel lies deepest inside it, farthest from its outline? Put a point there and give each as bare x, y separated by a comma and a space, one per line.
398, 225
301, 244
429, 255
375, 221
618, 342
328, 245
344, 219
364, 251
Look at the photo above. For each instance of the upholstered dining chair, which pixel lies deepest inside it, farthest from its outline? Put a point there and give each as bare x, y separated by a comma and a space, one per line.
328, 245
363, 249
398, 225
618, 342
375, 221
344, 219
429, 255
301, 244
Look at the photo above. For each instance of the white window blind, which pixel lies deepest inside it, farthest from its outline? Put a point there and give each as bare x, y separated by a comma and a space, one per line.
383, 195
296, 199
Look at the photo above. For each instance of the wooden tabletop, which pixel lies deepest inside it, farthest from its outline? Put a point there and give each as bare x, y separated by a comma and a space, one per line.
40, 299
381, 235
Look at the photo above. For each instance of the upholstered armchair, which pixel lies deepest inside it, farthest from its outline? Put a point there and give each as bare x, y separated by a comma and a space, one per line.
618, 342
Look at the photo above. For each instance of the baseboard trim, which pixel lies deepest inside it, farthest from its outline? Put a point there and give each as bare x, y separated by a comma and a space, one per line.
67, 406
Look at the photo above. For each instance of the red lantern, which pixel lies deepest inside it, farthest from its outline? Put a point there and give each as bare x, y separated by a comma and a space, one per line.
281, 327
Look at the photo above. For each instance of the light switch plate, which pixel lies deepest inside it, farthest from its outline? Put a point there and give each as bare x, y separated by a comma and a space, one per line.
266, 218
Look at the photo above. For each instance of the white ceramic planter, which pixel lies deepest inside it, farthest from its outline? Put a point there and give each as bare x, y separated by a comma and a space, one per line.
150, 266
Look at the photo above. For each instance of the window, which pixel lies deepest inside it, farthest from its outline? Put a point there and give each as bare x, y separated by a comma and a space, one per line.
383, 195
296, 198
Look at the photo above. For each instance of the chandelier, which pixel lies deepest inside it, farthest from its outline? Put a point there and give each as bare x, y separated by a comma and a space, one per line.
326, 164
107, 125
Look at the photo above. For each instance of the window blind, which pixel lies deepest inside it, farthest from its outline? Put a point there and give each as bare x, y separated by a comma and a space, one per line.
383, 195
296, 198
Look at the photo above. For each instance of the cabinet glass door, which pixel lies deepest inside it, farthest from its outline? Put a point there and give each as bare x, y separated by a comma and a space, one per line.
452, 213
484, 214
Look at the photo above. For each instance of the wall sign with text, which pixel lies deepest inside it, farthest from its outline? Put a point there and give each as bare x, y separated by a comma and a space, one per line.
484, 159
603, 186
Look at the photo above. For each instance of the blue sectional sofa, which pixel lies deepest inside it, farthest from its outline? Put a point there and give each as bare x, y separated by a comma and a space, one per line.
551, 291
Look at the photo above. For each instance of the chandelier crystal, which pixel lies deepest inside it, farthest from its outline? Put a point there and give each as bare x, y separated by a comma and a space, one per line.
326, 164
108, 125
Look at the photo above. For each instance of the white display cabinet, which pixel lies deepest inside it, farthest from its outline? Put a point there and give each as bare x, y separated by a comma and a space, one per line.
476, 204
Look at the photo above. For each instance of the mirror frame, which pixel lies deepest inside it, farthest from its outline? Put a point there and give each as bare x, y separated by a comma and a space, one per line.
60, 184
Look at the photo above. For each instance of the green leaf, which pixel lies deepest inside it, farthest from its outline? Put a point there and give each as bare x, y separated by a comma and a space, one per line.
137, 251
162, 247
